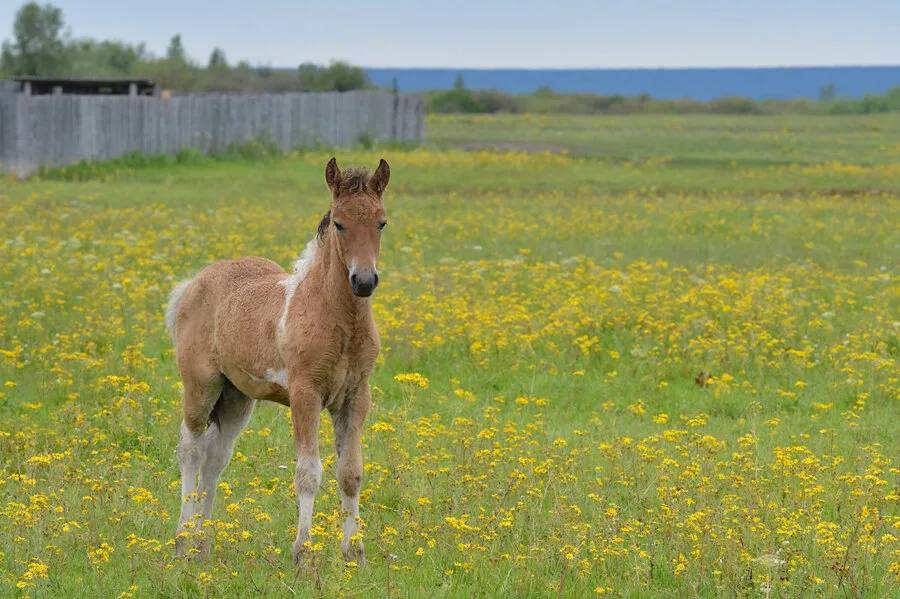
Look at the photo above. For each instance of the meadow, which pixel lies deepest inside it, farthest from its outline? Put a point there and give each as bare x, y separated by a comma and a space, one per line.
622, 356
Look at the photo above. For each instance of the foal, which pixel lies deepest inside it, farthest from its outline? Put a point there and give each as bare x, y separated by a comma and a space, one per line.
245, 330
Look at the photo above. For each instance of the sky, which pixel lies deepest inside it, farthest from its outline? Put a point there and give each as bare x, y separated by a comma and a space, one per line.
511, 34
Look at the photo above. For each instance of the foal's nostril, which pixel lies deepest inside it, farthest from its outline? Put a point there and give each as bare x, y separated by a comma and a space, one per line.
353, 279
375, 281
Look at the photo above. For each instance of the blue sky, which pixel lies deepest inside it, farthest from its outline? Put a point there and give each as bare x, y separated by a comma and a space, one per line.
524, 33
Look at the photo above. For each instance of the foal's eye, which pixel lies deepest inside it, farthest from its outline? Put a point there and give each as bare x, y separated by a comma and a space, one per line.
338, 226
382, 225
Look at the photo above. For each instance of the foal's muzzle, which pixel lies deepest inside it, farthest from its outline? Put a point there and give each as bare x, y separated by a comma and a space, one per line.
363, 284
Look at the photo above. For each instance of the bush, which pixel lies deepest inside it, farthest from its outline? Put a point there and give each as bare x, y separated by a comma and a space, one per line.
468, 101
496, 101
546, 101
255, 150
734, 105
455, 100
367, 141
338, 76
870, 103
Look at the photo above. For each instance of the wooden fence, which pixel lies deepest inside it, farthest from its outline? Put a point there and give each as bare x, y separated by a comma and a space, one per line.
39, 131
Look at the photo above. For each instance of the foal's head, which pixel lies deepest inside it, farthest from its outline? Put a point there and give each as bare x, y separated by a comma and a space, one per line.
355, 221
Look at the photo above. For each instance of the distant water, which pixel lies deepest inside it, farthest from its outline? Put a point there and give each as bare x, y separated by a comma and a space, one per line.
699, 84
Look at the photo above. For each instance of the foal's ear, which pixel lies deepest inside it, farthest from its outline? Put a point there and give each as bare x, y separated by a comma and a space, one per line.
332, 175
379, 180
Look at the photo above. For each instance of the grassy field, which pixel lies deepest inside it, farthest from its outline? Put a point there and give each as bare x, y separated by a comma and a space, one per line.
650, 356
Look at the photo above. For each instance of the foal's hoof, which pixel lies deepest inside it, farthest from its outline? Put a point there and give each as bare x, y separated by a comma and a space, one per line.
181, 546
355, 552
203, 549
302, 555
190, 547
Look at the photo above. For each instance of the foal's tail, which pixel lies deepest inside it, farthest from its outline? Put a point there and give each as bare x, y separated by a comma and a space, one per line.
172, 307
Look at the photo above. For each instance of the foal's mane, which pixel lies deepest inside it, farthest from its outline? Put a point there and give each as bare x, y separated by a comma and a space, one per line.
353, 181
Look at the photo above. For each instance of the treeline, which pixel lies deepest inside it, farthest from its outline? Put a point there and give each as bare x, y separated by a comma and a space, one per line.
40, 48
545, 101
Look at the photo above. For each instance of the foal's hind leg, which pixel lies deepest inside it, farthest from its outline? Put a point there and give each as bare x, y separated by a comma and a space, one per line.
229, 417
200, 395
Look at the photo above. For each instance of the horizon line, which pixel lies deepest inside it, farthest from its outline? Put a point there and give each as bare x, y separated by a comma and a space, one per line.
634, 68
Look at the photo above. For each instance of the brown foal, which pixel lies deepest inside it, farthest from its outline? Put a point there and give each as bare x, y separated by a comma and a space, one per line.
245, 330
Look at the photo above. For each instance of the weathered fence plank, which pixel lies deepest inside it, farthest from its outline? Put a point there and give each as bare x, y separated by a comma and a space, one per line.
38, 131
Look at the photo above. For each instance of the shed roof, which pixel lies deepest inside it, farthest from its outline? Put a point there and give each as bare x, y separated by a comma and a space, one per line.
47, 85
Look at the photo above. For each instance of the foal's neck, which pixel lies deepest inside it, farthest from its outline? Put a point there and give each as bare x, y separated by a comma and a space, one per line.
336, 284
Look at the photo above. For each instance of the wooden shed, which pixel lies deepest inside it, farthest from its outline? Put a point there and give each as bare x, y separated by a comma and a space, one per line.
39, 86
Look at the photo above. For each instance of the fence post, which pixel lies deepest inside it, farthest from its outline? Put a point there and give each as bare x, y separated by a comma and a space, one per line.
396, 111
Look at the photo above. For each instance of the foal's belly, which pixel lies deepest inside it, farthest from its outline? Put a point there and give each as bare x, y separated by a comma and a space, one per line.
259, 388
272, 384
246, 339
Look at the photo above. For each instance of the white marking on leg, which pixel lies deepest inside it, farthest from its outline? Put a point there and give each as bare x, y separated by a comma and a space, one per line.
350, 506
190, 458
307, 478
218, 453
293, 280
232, 414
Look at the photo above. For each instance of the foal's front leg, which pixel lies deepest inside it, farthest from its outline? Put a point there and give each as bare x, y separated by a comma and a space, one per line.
306, 405
348, 422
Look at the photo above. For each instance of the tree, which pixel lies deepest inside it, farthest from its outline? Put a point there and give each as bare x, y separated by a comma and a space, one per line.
37, 49
338, 76
169, 74
459, 83
217, 59
108, 58
175, 51
826, 92
175, 71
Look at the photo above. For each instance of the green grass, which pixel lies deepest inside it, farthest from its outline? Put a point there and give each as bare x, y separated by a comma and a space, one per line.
561, 306
717, 140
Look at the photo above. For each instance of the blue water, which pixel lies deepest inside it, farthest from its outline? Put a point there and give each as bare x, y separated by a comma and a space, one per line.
699, 84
